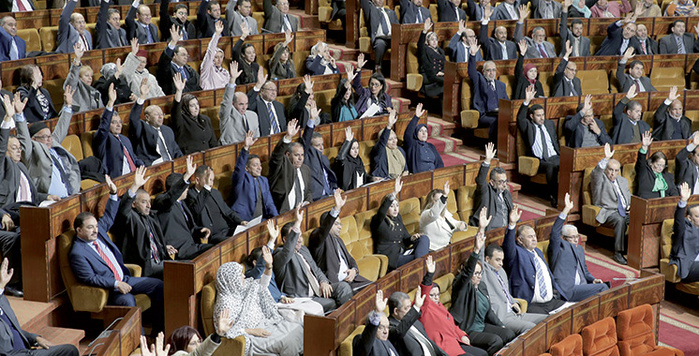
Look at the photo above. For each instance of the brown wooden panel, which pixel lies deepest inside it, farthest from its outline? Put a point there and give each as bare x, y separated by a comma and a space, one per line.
418, 185
235, 248
320, 325
223, 158
535, 340
649, 290
377, 192
10, 70
558, 326
365, 302
613, 300
412, 273
585, 313
306, 39
389, 283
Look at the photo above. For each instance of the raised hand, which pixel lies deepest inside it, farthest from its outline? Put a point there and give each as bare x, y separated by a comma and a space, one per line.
522, 44
223, 324
79, 51
446, 188
685, 192
628, 54
608, 152
484, 219
175, 35
5, 273
267, 256
474, 47
530, 94
479, 241
567, 4
515, 214
299, 214
112, 95
68, 95
569, 49
418, 110
245, 30
134, 46
631, 93
349, 134
673, 94
646, 140
428, 25
315, 110
288, 37
523, 12
490, 152
308, 83
462, 26
110, 185
139, 178
19, 104
191, 167
249, 140
694, 138
360, 61
261, 78
219, 27
292, 128
144, 88
380, 302
419, 298
339, 200
392, 117
488, 12
10, 109
179, 82
588, 103
430, 264
569, 204
397, 186
235, 73
351, 74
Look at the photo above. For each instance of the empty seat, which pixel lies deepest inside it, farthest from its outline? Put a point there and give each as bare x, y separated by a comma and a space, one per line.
635, 331
663, 78
570, 346
600, 338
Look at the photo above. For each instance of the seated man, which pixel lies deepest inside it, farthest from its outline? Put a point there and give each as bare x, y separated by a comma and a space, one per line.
155, 142
379, 21
262, 99
530, 277
174, 60
460, 44
208, 14
487, 92
546, 9
289, 178
11, 46
685, 249
628, 127
580, 43
686, 163
243, 14
176, 220
108, 27
412, 11
278, 19
142, 28
323, 179
110, 146
669, 122
499, 47
298, 275
178, 18
406, 333
235, 118
567, 259
678, 42
538, 46
648, 45
584, 129
251, 193
492, 195
373, 341
96, 261
507, 10
209, 208
541, 141
620, 37
71, 29
138, 231
565, 83
636, 77
650, 9
330, 252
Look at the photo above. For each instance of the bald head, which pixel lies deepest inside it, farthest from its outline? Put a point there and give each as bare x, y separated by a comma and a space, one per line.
78, 22
240, 102
612, 169
154, 116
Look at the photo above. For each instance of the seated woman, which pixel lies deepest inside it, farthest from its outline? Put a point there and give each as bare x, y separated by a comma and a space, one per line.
213, 75
342, 104
471, 306
610, 9
300, 103
579, 9
186, 341
80, 79
254, 313
280, 65
390, 236
348, 166
528, 77
245, 55
39, 106
439, 324
422, 156
112, 75
320, 61
193, 131
652, 178
431, 60
437, 222
375, 99
387, 159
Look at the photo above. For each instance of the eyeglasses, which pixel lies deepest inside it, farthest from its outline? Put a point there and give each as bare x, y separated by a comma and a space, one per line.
478, 274
270, 88
500, 181
42, 137
374, 84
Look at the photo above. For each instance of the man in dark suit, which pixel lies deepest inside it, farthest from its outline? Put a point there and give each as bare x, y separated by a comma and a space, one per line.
251, 193
406, 333
96, 261
583, 129
648, 45
174, 60
298, 275
11, 46
379, 20
620, 37
138, 24
565, 83
289, 178
175, 218
412, 11
71, 29
546, 9
155, 142
635, 77
567, 260
499, 47
209, 208
685, 240
110, 146
178, 18
669, 123
138, 231
628, 127
687, 163
507, 10
678, 42
17, 5
450, 11
493, 195
580, 43
530, 277
278, 19
330, 252
108, 27
262, 99
486, 91
459, 45
476, 11
541, 141
14, 340
373, 341
208, 14
323, 179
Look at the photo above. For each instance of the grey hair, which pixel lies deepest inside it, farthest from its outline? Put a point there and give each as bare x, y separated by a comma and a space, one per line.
568, 229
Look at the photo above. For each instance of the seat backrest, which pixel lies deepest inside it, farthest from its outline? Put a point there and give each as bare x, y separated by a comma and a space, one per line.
628, 171
445, 283
544, 247
86, 141
411, 61
346, 345
365, 243
666, 232
600, 338
73, 145
208, 299
82, 296
663, 78
31, 36
410, 212
587, 195
365, 153
570, 346
451, 205
464, 200
65, 243
635, 322
594, 81
509, 81
48, 36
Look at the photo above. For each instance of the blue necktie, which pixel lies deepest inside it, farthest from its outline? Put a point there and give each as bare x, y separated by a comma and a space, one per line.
540, 277
272, 120
619, 205
14, 51
17, 342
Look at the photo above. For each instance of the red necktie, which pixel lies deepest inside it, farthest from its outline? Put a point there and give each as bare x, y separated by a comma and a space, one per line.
106, 260
20, 6
643, 45
541, 50
638, 86
132, 165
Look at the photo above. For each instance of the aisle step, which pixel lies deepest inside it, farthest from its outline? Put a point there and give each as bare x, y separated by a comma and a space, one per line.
59, 336
33, 316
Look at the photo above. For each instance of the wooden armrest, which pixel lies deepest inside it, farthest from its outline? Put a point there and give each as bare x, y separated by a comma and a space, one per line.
529, 166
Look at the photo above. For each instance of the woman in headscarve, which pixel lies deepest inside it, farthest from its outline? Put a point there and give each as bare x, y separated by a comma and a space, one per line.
387, 159
375, 94
254, 312
186, 341
437, 222
610, 9
431, 59
348, 166
342, 104
422, 156
579, 9
193, 131
526, 75
652, 178
280, 65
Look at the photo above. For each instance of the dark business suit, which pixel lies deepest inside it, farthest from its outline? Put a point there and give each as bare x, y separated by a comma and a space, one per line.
274, 18
146, 138
166, 74
375, 20
186, 29
177, 222
611, 46
107, 35
485, 197
645, 179
256, 104
539, 11
281, 178
666, 128
549, 165
6, 45
138, 30
574, 131
315, 67
33, 111
210, 210
206, 24
561, 85
622, 131
486, 99
474, 11
319, 166
685, 247
409, 13
447, 12
685, 169
402, 339
458, 52
626, 81
493, 48
6, 5
651, 46
668, 44
501, 13
245, 191
366, 343
567, 35
67, 34
110, 149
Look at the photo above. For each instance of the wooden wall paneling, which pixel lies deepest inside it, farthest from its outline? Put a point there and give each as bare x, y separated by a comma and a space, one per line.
223, 158
419, 185
535, 340
613, 300
235, 248
377, 191
558, 326
321, 325
32, 19
442, 260
649, 290
306, 39
389, 283
507, 118
364, 302
662, 25
411, 274
514, 348
646, 219
157, 174
10, 69
585, 313
452, 91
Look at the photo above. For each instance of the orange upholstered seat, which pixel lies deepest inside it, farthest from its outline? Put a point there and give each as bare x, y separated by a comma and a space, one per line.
635, 330
570, 346
599, 339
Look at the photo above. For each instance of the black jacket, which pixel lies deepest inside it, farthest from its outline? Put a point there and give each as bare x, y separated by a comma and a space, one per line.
645, 178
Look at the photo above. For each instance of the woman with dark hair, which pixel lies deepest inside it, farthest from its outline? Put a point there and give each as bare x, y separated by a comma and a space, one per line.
348, 166
437, 222
342, 104
471, 306
186, 341
391, 238
280, 65
422, 156
193, 131
387, 159
245, 55
299, 106
652, 178
431, 59
39, 106
375, 97
526, 75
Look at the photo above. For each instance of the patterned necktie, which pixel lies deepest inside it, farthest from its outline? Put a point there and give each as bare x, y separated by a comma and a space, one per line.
638, 85
272, 119
510, 301
154, 252
419, 16
540, 276
542, 51
106, 260
680, 45
64, 175
544, 146
620, 200
643, 47
20, 6
132, 165
14, 52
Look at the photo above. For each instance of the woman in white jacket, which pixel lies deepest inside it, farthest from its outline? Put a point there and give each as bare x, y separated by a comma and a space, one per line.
437, 222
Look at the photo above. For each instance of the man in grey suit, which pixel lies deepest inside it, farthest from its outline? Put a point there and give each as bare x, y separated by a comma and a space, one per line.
141, 27
71, 29
278, 19
580, 43
43, 153
298, 275
546, 9
507, 10
235, 18
678, 42
537, 46
610, 192
635, 76
236, 119
108, 27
